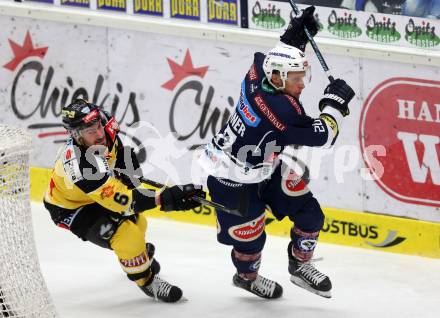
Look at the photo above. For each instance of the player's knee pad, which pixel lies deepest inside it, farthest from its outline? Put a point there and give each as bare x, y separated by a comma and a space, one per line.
310, 218
242, 233
303, 244
128, 241
102, 231
246, 263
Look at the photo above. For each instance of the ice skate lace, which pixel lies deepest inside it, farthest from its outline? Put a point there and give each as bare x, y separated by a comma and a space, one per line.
159, 287
311, 273
263, 286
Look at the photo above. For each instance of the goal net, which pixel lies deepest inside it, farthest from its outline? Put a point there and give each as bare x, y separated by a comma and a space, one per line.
23, 291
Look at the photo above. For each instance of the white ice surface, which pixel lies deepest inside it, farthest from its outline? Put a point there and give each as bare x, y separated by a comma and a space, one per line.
86, 281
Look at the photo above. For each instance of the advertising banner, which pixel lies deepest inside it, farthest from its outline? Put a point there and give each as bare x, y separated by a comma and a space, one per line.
76, 3
42, 1
401, 111
112, 5
171, 94
347, 24
148, 7
415, 8
225, 11
185, 9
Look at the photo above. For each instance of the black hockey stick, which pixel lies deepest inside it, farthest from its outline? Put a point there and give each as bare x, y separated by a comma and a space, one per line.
241, 211
314, 45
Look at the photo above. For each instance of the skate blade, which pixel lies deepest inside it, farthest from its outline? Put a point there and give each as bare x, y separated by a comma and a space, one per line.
299, 282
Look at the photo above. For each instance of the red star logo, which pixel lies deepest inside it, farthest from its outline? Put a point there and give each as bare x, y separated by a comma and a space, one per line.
182, 71
24, 51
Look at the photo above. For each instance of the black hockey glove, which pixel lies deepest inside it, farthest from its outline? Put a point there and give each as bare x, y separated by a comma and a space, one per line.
337, 95
295, 35
178, 198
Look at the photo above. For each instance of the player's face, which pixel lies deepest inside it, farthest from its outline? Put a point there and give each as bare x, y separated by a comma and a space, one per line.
295, 83
94, 135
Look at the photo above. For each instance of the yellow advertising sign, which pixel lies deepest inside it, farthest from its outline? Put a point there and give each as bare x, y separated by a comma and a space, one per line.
342, 227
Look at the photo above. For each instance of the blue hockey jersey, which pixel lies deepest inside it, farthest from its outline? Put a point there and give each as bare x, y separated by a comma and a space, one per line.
265, 121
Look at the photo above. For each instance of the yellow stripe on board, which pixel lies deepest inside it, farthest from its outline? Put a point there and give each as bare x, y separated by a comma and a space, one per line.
343, 227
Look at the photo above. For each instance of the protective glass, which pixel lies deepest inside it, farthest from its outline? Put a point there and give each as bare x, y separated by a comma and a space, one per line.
91, 131
298, 77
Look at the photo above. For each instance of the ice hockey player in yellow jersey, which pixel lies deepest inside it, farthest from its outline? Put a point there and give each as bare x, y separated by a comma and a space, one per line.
92, 193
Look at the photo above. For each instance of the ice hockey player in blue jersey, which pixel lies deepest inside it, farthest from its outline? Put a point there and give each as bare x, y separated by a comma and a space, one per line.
243, 161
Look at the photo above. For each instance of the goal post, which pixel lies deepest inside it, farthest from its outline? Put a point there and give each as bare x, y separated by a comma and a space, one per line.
23, 291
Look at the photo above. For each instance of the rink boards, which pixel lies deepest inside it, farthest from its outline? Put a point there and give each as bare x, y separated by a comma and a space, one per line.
344, 227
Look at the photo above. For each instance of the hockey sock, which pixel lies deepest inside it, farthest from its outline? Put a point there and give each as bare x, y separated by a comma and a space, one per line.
247, 264
303, 244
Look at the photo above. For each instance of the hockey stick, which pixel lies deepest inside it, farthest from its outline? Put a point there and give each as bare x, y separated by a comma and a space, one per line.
241, 211
314, 45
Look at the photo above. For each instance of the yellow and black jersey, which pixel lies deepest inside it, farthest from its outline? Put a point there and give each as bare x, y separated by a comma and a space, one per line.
84, 176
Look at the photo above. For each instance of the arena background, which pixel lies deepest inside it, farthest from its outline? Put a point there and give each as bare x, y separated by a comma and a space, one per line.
124, 55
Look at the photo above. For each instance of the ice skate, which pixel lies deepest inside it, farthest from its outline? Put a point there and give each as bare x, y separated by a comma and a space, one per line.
160, 289
261, 286
305, 275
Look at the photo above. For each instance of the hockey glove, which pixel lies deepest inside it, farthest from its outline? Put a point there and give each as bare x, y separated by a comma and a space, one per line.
337, 95
295, 35
178, 198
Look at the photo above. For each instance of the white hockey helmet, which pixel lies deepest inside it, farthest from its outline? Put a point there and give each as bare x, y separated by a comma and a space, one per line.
284, 59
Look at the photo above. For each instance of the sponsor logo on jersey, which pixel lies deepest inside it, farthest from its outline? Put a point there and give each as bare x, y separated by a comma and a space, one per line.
107, 192
68, 154
114, 5
223, 11
102, 164
252, 73
343, 26
403, 115
76, 3
245, 109
70, 164
382, 31
253, 88
185, 9
268, 113
294, 103
72, 171
67, 221
294, 185
150, 7
248, 231
421, 35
